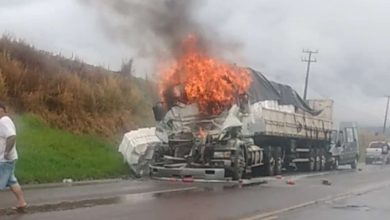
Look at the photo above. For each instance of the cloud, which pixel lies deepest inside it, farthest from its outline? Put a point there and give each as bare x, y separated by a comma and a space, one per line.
64, 27
268, 35
352, 40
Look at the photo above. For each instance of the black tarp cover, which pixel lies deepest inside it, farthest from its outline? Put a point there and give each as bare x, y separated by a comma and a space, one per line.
262, 89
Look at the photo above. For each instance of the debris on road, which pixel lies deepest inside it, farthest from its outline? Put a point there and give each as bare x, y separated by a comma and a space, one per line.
279, 177
290, 182
67, 181
326, 182
188, 180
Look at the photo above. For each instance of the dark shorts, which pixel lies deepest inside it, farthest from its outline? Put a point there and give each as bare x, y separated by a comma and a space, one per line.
7, 174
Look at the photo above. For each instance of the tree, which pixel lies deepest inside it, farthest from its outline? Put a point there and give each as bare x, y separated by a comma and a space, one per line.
127, 68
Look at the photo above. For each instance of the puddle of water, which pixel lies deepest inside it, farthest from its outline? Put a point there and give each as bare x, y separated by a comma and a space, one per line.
122, 199
62, 206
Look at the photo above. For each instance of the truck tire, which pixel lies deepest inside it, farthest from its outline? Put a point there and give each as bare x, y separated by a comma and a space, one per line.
323, 160
278, 161
317, 165
301, 166
336, 163
269, 162
270, 167
354, 164
307, 166
311, 164
238, 168
328, 166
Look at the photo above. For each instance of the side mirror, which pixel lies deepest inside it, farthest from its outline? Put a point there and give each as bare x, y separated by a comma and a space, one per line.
159, 112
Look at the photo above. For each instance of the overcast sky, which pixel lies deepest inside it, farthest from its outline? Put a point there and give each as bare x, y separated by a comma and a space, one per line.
352, 36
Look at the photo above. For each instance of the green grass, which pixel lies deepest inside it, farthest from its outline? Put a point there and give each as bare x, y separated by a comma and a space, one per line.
50, 155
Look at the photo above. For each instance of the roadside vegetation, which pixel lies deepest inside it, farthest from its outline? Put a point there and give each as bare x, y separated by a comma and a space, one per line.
70, 116
50, 155
72, 95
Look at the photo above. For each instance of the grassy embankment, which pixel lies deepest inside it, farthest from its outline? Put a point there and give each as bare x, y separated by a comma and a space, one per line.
50, 155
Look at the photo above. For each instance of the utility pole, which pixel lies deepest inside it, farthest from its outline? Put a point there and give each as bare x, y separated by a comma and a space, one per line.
387, 109
309, 60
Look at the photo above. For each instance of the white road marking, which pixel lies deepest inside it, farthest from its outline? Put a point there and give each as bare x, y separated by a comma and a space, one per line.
271, 218
363, 190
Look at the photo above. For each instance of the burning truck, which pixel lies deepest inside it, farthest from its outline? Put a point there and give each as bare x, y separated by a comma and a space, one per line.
218, 121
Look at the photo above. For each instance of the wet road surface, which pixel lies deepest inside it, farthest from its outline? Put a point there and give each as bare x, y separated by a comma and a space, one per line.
163, 200
368, 206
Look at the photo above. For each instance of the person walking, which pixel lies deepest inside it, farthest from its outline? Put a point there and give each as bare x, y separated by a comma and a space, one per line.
8, 157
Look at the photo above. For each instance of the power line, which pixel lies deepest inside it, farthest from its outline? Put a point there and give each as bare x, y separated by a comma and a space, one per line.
387, 109
309, 60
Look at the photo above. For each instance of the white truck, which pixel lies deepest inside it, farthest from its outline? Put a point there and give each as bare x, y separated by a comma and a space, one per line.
268, 130
377, 151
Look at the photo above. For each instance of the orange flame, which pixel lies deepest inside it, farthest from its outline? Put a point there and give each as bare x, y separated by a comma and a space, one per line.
211, 83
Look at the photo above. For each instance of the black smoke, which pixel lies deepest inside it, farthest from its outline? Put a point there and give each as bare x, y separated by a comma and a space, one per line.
157, 29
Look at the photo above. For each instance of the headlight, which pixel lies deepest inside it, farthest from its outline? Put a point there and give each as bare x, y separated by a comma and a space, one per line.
222, 154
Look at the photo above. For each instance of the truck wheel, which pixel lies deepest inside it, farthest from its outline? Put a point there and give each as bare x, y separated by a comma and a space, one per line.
328, 166
238, 166
278, 166
301, 166
278, 161
317, 165
336, 164
323, 160
270, 167
311, 164
307, 166
354, 164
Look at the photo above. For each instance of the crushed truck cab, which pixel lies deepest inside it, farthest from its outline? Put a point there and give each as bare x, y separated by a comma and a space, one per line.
206, 147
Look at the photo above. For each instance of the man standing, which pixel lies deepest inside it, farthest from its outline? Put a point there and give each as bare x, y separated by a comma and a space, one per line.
8, 157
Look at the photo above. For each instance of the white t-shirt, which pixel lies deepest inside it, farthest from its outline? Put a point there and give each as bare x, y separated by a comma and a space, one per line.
7, 129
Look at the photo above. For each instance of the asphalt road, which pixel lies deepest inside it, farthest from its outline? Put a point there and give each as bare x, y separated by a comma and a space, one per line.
309, 198
373, 205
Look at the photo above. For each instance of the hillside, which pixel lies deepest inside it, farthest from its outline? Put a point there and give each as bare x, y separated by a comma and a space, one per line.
70, 94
